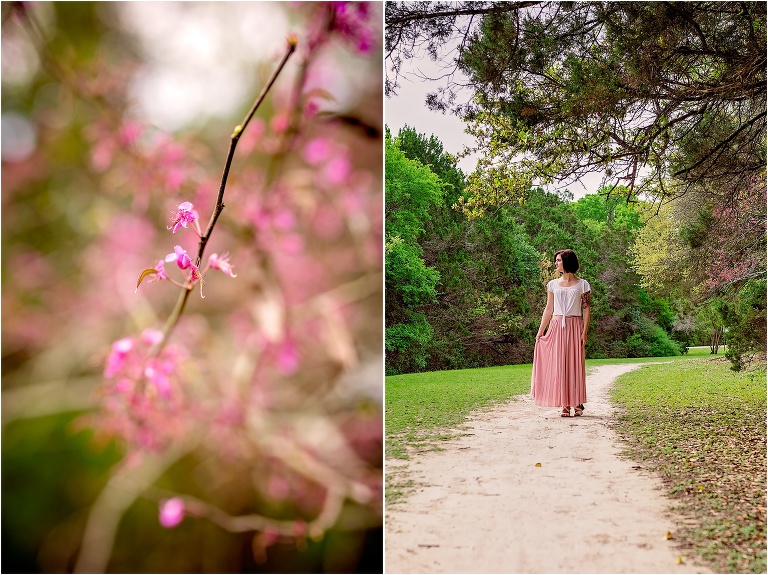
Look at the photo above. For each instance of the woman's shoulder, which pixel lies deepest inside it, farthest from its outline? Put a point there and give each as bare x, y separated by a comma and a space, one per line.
555, 284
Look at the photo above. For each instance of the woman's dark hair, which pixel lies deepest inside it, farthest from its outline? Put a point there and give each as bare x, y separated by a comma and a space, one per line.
570, 261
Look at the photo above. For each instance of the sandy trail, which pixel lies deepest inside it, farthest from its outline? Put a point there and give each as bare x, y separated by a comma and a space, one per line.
482, 506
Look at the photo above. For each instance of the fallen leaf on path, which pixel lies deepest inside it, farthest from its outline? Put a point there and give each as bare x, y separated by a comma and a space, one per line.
669, 535
679, 560
537, 465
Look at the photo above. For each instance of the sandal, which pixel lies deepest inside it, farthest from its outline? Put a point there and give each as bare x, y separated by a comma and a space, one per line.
566, 412
578, 410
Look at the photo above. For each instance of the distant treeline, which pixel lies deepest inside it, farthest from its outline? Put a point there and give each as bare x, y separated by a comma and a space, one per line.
469, 292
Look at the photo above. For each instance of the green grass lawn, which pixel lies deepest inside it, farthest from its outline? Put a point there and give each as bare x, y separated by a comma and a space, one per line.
423, 406
690, 418
701, 427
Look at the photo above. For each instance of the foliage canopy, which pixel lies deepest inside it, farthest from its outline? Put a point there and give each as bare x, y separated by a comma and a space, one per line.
660, 96
470, 291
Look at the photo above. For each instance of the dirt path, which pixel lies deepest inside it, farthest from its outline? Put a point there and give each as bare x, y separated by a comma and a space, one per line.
482, 505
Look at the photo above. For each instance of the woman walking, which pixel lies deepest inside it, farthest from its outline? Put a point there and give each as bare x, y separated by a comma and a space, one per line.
559, 373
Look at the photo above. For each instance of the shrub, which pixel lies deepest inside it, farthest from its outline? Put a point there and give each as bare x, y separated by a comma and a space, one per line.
651, 340
406, 344
746, 337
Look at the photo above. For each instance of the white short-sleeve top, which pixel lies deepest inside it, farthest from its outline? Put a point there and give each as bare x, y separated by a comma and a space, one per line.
568, 299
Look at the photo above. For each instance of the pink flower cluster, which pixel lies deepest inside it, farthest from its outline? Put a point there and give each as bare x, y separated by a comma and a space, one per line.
140, 396
244, 372
141, 400
738, 231
184, 215
313, 226
351, 21
330, 160
157, 160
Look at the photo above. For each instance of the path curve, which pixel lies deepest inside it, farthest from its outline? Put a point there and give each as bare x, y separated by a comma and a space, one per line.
482, 506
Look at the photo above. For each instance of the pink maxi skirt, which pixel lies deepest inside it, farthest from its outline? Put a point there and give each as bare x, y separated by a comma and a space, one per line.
559, 373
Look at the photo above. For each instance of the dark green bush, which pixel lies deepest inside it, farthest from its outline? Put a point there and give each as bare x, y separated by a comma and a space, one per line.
746, 337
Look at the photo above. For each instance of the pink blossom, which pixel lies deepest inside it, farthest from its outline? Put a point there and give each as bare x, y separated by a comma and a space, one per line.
288, 357
124, 386
352, 22
157, 373
299, 528
179, 256
120, 350
160, 268
221, 263
283, 219
311, 109
292, 244
171, 512
184, 262
316, 151
152, 336
364, 41
184, 215
142, 401
158, 272
280, 122
337, 170
130, 132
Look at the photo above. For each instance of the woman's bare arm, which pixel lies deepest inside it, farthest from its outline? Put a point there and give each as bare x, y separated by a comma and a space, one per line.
586, 299
547, 315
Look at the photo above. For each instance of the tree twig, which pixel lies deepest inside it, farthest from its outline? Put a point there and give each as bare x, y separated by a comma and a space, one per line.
173, 319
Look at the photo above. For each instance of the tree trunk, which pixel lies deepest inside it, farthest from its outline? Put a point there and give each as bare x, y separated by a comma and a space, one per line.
714, 340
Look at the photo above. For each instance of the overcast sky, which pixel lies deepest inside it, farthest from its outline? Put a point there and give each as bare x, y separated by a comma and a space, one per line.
409, 107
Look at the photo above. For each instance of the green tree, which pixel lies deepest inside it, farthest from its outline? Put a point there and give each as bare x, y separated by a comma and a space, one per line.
485, 303
711, 319
609, 210
429, 151
412, 190
486, 267
746, 336
659, 254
